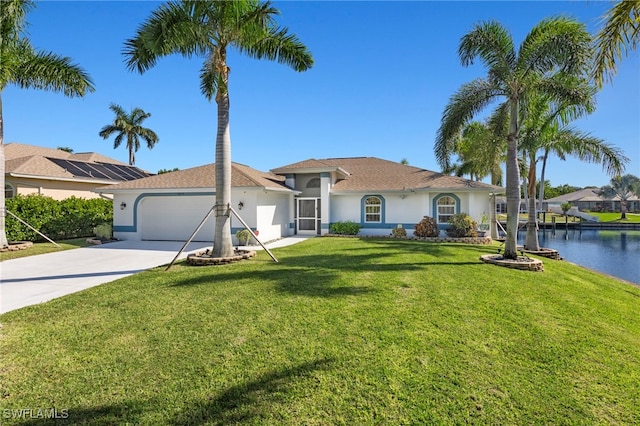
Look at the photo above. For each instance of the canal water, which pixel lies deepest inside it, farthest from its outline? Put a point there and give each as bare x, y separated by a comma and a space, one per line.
615, 253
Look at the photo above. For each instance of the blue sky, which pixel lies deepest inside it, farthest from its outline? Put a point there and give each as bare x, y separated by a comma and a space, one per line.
383, 73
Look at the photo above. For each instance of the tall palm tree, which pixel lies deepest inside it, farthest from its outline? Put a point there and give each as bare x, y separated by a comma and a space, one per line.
129, 126
545, 128
209, 29
22, 65
623, 187
552, 56
619, 35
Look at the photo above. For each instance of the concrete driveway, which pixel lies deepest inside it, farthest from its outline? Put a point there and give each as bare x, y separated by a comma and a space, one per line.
36, 279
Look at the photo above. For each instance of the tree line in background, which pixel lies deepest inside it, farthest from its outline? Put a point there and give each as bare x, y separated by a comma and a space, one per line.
544, 85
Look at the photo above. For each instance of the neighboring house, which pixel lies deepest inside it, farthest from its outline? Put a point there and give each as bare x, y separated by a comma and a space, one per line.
302, 198
59, 174
587, 199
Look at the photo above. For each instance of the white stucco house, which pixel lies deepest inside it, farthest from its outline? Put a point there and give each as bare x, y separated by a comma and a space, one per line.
300, 198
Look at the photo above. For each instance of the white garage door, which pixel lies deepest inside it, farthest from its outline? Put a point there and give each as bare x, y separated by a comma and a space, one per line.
174, 218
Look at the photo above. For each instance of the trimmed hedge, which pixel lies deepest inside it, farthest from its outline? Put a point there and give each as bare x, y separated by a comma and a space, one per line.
59, 220
345, 228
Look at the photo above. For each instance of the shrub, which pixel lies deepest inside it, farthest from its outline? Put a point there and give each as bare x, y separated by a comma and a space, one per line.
461, 225
103, 231
344, 228
399, 232
427, 227
69, 218
243, 236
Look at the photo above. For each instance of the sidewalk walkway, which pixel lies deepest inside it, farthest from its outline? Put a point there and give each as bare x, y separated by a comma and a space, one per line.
37, 279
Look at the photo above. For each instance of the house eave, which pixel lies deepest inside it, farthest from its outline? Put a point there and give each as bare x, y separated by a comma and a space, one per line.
63, 179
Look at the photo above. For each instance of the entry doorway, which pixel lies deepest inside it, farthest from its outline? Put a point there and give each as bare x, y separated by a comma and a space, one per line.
308, 216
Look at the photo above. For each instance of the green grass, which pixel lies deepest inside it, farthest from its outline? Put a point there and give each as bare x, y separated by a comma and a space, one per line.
340, 331
42, 248
615, 217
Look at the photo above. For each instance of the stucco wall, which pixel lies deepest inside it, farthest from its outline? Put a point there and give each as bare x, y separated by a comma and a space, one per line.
58, 190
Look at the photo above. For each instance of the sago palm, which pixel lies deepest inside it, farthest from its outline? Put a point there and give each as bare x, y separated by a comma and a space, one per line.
25, 67
209, 29
129, 126
550, 59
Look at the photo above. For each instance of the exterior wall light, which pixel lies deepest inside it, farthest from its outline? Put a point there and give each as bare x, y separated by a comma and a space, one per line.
240, 205
123, 205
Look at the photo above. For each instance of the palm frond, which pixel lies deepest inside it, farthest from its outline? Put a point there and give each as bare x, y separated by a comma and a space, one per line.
619, 35
471, 98
48, 71
493, 44
277, 44
558, 43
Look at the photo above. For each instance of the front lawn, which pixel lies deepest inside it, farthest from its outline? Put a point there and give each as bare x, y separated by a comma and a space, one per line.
42, 248
340, 331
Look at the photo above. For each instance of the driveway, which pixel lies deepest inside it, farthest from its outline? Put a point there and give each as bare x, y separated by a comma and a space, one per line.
36, 279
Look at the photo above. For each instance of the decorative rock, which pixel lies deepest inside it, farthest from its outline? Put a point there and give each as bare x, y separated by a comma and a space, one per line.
204, 258
17, 245
522, 262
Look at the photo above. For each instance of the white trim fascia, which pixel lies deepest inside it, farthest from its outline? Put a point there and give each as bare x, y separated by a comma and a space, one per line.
310, 170
188, 190
65, 179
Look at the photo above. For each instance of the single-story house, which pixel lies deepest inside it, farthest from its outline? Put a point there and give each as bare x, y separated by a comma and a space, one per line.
300, 198
59, 174
587, 199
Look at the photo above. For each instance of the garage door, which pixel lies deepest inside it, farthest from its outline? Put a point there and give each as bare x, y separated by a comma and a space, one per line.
174, 218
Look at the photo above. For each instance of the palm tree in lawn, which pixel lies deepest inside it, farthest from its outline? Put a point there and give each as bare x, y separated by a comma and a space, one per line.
25, 67
546, 128
209, 29
550, 59
619, 35
129, 126
623, 187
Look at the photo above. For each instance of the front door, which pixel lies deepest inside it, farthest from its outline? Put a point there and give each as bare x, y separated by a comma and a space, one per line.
307, 215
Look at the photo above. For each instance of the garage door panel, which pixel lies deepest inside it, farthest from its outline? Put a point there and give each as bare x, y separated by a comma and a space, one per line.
174, 218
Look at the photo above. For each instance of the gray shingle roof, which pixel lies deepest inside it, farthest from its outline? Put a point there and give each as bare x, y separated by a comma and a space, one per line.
375, 174
203, 177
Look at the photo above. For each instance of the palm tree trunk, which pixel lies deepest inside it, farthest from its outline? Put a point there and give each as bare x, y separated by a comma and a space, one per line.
541, 191
531, 241
3, 210
222, 245
513, 185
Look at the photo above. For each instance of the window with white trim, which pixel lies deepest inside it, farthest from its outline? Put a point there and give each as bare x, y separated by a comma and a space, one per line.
373, 210
446, 209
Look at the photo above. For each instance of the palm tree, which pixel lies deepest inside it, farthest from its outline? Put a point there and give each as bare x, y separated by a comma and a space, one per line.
545, 128
22, 65
129, 126
620, 33
480, 150
209, 29
550, 59
623, 187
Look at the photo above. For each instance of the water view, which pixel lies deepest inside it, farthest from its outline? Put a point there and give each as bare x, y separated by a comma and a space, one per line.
615, 253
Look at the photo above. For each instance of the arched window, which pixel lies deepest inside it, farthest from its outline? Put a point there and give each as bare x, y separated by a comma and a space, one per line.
313, 183
9, 191
446, 209
373, 210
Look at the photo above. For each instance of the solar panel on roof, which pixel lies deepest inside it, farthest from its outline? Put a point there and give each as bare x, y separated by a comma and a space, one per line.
68, 166
88, 169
